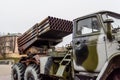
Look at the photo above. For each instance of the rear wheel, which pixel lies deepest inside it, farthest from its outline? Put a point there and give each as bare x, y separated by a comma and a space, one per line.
18, 70
32, 72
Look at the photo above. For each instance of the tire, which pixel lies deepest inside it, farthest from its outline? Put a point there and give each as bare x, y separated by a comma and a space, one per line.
32, 72
17, 72
115, 75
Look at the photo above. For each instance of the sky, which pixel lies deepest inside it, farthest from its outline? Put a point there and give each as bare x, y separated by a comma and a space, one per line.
17, 16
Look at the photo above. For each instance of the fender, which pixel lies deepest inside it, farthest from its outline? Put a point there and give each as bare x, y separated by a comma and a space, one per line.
111, 64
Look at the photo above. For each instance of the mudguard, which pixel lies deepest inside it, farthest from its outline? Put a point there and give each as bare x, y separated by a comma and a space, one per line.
111, 64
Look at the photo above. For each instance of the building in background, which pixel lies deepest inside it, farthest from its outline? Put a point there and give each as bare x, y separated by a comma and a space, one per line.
8, 44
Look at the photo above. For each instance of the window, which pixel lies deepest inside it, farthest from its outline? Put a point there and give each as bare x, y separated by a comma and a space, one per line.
88, 25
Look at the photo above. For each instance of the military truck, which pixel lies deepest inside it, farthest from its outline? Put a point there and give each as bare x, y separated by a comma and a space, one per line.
94, 53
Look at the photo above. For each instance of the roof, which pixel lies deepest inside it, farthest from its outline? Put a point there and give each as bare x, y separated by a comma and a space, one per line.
100, 12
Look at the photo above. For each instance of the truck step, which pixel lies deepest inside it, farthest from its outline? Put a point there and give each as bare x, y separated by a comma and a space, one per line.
67, 60
60, 70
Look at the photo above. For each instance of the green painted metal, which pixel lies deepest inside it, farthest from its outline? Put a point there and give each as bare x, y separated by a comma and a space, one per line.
61, 72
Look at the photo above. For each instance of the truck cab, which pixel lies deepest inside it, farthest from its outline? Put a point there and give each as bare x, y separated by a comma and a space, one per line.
96, 46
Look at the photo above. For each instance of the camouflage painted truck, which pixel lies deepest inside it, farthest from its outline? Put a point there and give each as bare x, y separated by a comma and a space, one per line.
94, 53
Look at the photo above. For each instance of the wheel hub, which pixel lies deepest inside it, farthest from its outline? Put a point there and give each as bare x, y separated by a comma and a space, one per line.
30, 77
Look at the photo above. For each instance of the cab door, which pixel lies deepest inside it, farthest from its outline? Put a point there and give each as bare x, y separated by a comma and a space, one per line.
85, 40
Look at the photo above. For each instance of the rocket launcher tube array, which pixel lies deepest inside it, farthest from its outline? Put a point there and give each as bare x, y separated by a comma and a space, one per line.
50, 28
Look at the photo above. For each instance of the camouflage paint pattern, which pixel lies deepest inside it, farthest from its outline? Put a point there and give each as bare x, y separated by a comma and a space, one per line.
90, 64
94, 49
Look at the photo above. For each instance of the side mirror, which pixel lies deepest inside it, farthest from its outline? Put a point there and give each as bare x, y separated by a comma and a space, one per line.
109, 30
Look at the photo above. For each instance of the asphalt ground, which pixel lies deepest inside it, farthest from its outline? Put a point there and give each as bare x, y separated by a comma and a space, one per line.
5, 72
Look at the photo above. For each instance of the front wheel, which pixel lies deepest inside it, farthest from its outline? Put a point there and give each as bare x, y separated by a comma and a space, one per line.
115, 75
32, 72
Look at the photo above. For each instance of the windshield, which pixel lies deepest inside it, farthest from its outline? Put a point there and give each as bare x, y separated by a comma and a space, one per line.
115, 18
